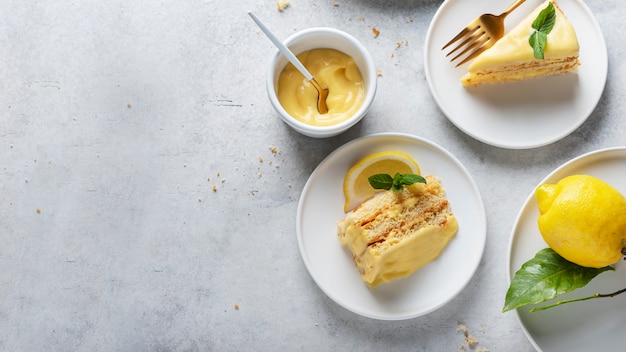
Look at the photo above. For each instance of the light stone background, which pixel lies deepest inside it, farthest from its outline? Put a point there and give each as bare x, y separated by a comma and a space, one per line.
117, 118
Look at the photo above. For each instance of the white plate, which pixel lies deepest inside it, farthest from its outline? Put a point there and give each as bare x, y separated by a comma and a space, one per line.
332, 267
593, 325
517, 115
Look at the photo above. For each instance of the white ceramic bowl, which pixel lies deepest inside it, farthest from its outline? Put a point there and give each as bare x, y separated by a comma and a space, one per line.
318, 38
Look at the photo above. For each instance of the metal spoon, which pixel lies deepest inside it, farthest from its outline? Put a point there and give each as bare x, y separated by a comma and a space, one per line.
322, 93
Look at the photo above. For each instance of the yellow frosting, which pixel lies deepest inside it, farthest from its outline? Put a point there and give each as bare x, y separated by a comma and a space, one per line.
333, 70
403, 257
513, 48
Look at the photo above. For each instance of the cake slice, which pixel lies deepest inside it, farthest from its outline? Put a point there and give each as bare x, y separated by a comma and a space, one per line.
397, 232
512, 57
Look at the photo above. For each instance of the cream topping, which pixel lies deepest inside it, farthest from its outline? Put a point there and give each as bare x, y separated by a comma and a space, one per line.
513, 48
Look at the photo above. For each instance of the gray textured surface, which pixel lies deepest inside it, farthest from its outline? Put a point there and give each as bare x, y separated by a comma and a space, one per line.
116, 120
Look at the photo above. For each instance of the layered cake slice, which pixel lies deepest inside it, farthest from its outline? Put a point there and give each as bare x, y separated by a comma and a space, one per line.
515, 57
397, 232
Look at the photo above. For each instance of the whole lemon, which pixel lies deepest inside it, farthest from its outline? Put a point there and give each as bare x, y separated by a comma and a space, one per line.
583, 219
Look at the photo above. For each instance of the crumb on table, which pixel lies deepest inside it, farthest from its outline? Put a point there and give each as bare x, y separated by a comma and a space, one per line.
282, 5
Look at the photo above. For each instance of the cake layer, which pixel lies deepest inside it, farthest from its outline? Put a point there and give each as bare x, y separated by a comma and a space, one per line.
524, 71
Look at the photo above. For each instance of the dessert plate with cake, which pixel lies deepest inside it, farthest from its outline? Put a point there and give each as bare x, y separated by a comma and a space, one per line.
592, 325
520, 93
332, 265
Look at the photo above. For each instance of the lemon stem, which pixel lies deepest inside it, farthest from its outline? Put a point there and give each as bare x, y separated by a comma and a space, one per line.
596, 295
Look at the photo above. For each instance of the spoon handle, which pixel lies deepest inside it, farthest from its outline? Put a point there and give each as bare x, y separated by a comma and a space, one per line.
282, 47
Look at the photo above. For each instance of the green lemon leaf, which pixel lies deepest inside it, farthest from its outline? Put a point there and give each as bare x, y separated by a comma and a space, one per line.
380, 181
542, 26
546, 276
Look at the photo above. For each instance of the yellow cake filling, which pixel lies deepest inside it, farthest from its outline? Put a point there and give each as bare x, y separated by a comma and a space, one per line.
512, 58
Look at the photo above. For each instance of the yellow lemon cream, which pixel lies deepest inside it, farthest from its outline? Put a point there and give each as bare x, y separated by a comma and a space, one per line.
333, 70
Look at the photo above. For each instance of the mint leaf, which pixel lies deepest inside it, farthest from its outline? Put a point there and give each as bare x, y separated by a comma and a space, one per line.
397, 183
538, 42
547, 276
380, 181
542, 26
545, 20
386, 182
407, 179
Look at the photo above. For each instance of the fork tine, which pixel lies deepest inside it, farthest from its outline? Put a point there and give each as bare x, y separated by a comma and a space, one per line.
458, 36
467, 31
484, 44
469, 41
478, 47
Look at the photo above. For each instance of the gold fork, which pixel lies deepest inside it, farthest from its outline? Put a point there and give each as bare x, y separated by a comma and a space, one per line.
480, 34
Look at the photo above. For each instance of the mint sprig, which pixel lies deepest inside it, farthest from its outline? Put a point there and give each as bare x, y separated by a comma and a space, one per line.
542, 26
397, 182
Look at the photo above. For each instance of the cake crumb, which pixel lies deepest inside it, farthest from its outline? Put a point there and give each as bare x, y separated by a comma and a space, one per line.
214, 188
260, 159
376, 32
128, 105
471, 340
379, 73
410, 19
361, 18
282, 5
38, 211
335, 3
236, 306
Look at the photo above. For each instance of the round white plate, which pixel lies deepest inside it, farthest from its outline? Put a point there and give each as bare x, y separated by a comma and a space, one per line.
593, 325
517, 115
331, 265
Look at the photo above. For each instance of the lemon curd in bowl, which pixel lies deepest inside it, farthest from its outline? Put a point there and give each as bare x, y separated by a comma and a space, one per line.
332, 69
342, 56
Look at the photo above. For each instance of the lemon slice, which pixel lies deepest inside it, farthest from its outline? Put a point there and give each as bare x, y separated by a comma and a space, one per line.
356, 187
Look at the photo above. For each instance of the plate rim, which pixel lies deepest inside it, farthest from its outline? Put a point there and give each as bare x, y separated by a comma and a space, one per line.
569, 163
446, 5
412, 138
